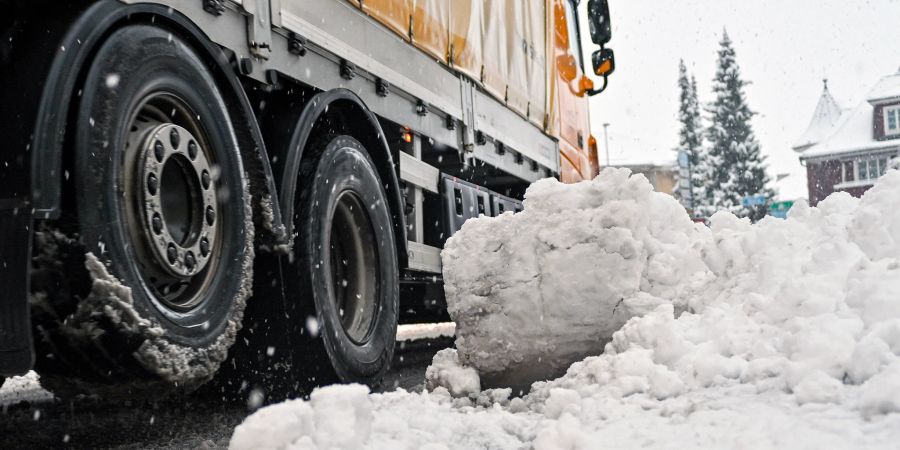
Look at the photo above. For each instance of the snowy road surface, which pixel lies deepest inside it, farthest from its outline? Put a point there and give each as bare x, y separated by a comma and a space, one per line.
177, 424
781, 334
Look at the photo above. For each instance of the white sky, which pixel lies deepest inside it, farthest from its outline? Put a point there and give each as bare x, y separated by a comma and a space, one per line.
784, 48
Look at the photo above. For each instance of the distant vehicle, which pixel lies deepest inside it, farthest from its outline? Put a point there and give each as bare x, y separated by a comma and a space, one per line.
161, 159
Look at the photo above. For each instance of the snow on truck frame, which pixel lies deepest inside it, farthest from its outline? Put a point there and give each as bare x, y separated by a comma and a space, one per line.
158, 155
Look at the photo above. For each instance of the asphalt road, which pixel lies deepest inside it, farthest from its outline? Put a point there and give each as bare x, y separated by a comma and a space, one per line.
31, 419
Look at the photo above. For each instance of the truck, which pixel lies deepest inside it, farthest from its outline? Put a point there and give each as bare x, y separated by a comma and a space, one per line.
257, 191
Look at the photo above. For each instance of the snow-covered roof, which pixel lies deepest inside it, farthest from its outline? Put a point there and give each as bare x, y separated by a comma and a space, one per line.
887, 88
853, 134
791, 185
825, 118
853, 131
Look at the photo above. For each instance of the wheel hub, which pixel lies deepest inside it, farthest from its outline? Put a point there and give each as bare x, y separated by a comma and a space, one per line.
178, 199
354, 267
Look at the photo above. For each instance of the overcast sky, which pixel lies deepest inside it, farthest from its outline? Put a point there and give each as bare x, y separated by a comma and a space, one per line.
784, 48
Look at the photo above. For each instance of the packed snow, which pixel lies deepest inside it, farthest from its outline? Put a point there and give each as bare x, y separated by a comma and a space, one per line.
533, 293
416, 331
784, 333
25, 388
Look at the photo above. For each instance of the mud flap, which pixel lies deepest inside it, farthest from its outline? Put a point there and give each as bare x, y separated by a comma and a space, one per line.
16, 350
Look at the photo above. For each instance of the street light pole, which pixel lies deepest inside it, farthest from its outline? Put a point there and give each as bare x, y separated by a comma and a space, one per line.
606, 139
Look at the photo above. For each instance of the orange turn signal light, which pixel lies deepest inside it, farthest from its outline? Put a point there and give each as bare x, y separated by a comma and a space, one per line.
586, 84
407, 137
604, 62
604, 68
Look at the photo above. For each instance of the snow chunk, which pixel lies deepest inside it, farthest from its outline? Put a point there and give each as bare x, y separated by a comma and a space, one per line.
818, 387
447, 372
336, 417
881, 394
533, 292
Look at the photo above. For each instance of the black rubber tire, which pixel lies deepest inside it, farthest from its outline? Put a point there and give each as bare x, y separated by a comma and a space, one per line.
339, 167
163, 346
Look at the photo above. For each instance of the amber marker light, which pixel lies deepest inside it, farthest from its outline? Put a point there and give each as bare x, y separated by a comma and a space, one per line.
604, 68
586, 84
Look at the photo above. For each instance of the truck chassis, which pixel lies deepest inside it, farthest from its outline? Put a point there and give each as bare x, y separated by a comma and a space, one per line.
444, 149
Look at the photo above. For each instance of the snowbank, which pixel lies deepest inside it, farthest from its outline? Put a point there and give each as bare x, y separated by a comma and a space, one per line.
533, 292
781, 334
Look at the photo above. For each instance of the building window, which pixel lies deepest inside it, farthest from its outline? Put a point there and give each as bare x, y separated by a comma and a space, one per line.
848, 172
865, 170
892, 120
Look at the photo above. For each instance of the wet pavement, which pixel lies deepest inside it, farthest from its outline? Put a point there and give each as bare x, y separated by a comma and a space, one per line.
31, 418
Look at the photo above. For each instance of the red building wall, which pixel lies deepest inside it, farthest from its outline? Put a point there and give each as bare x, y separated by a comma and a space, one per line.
878, 123
822, 176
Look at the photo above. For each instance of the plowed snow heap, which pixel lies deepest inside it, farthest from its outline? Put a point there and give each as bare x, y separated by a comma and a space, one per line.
784, 333
534, 292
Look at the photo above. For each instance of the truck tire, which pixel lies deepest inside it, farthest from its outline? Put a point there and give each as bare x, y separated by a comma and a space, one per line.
346, 264
147, 288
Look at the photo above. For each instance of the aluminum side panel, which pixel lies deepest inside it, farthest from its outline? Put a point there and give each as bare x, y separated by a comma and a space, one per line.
514, 131
343, 30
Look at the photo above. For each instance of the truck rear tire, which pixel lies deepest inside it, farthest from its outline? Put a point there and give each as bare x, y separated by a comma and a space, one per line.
345, 264
163, 222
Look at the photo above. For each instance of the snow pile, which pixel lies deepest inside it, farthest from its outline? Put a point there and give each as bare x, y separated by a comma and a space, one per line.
26, 388
533, 292
781, 334
447, 371
339, 417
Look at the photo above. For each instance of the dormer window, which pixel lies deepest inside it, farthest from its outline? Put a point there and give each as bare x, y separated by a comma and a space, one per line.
892, 120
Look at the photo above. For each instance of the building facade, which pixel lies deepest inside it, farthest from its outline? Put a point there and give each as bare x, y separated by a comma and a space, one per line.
848, 149
660, 174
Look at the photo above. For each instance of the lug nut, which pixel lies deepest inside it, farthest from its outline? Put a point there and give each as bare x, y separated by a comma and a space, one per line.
174, 138
152, 184
159, 151
204, 247
157, 223
210, 215
205, 179
192, 149
189, 261
172, 254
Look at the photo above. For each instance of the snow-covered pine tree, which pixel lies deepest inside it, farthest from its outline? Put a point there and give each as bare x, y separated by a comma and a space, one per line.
736, 166
690, 139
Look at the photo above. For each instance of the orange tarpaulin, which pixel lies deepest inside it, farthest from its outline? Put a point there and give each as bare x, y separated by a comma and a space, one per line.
500, 44
431, 27
494, 50
393, 13
517, 52
536, 70
465, 37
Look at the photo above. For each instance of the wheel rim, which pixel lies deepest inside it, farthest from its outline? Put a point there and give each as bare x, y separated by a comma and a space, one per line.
171, 191
354, 268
